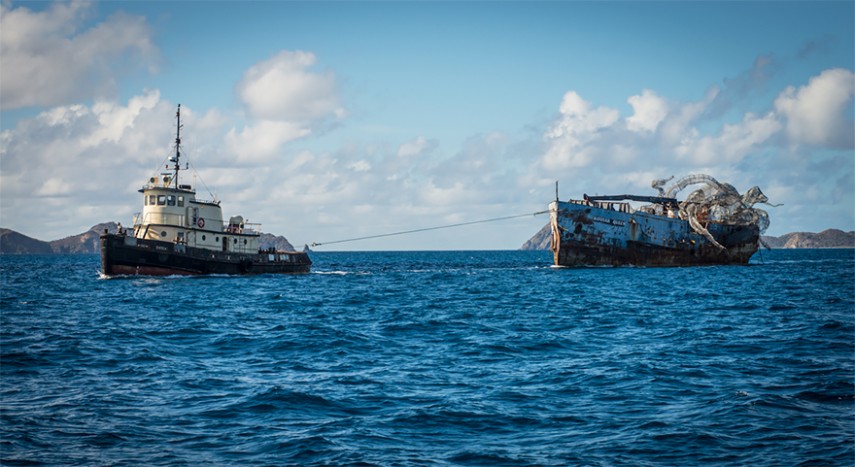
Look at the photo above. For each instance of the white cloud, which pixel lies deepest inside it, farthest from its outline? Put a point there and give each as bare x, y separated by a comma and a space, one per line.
262, 141
677, 127
115, 119
285, 101
417, 147
75, 166
443, 196
733, 143
816, 112
55, 187
572, 137
282, 88
577, 116
50, 59
649, 109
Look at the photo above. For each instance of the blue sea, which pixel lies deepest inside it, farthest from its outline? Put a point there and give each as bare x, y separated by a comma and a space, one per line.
431, 358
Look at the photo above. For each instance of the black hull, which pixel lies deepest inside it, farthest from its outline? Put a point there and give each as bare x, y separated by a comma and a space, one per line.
124, 255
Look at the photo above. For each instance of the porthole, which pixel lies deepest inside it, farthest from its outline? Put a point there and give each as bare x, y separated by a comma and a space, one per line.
244, 241
163, 233
203, 237
216, 239
235, 242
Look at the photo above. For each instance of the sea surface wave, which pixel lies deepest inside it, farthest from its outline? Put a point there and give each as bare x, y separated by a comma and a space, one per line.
431, 358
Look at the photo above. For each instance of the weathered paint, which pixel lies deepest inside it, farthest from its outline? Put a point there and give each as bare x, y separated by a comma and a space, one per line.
597, 233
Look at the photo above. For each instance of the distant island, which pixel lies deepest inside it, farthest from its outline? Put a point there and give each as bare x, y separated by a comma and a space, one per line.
14, 243
830, 238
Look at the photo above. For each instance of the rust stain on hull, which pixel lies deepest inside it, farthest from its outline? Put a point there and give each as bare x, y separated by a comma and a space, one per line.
715, 225
576, 241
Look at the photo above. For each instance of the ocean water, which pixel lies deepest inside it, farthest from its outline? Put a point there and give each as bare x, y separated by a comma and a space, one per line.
431, 358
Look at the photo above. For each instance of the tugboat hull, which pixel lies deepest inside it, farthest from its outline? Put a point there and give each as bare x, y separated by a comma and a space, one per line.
589, 235
126, 255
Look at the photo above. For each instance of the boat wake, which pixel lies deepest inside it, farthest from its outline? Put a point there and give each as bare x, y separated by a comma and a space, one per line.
155, 279
341, 273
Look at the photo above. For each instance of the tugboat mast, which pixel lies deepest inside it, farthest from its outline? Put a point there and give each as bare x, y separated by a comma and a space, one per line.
177, 146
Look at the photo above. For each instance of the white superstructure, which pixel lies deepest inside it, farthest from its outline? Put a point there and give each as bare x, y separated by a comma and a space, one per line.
172, 213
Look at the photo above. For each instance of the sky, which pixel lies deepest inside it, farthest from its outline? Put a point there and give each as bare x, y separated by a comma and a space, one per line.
326, 121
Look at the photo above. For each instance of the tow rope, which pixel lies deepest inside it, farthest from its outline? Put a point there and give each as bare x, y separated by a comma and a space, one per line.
314, 244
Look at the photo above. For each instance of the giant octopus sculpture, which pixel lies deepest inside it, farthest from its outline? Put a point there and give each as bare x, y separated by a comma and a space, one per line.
715, 202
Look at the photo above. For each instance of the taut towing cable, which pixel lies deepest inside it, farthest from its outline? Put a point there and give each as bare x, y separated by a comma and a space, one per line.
425, 229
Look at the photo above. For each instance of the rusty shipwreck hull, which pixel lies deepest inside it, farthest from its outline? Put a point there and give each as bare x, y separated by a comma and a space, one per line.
611, 234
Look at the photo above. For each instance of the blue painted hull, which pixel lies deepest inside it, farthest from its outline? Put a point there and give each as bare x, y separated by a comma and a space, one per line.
595, 234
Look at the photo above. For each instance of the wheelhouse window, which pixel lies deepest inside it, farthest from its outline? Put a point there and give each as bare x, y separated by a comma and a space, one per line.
152, 200
161, 200
180, 201
170, 200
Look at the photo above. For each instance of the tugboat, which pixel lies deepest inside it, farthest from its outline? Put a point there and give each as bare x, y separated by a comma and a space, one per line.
178, 234
713, 225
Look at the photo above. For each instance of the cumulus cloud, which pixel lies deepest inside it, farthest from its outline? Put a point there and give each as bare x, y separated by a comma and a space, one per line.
51, 58
114, 120
572, 136
733, 142
364, 189
649, 110
679, 123
816, 112
681, 134
284, 100
283, 88
79, 165
257, 143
